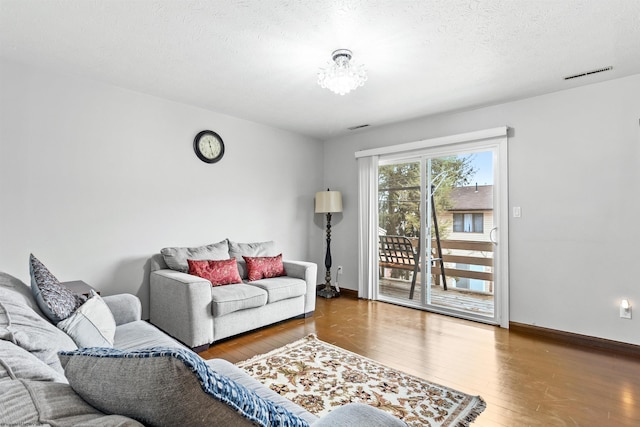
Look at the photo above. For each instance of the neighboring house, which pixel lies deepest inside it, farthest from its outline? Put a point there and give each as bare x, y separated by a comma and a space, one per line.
471, 216
471, 219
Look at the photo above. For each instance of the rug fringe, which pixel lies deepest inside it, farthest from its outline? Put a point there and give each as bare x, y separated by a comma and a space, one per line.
474, 412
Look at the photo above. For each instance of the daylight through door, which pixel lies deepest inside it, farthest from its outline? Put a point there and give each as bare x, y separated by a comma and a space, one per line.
437, 231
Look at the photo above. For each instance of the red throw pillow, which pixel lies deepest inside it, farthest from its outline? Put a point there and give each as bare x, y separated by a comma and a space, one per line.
222, 272
264, 267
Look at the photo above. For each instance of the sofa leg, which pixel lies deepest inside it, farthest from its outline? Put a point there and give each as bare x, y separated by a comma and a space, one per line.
303, 316
200, 348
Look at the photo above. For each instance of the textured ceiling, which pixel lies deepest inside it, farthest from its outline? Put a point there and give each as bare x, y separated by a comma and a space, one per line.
258, 59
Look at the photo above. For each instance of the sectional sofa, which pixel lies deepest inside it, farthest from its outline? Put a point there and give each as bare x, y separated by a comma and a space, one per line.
140, 377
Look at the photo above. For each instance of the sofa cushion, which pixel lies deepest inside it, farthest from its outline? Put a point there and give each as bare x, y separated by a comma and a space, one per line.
227, 299
21, 293
354, 414
27, 327
91, 325
279, 288
5, 321
18, 363
264, 267
242, 269
218, 272
176, 258
238, 250
167, 386
41, 403
141, 334
55, 301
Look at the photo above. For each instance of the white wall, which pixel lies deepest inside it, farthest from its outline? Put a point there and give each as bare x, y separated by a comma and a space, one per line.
574, 168
95, 179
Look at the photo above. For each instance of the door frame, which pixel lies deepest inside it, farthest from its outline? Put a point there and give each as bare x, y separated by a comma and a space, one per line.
495, 138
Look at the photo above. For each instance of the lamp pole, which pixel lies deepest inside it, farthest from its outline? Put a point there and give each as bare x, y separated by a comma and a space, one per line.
328, 202
328, 291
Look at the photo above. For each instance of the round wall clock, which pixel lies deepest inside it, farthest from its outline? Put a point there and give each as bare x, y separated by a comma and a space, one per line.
208, 146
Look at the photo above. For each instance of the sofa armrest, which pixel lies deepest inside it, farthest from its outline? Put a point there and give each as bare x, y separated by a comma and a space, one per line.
124, 307
180, 305
307, 271
358, 414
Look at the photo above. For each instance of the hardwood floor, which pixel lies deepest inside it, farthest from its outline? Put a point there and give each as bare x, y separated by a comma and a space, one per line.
526, 380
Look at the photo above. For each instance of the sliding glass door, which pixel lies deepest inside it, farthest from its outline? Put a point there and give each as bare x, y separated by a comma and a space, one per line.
437, 230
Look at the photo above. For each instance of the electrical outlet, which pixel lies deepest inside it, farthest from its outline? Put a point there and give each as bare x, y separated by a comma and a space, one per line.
625, 313
339, 269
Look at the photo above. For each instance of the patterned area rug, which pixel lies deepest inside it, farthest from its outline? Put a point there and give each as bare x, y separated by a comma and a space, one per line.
319, 376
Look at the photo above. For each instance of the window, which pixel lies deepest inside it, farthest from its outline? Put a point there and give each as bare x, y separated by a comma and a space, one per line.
468, 222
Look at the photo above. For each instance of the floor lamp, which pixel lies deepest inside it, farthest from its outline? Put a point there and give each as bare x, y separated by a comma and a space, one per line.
328, 202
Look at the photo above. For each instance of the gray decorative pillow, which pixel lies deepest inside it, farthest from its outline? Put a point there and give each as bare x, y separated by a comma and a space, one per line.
55, 301
168, 386
256, 249
5, 322
92, 324
18, 364
24, 324
176, 258
44, 403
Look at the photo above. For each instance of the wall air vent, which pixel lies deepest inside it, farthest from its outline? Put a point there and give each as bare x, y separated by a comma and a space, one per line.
600, 70
357, 127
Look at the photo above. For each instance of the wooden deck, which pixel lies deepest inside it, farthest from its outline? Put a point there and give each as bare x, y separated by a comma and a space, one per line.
469, 302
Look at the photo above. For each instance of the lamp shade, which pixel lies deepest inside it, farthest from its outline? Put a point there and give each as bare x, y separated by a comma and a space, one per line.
328, 201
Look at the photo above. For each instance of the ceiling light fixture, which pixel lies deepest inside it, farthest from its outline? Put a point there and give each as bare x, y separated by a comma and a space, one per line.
341, 75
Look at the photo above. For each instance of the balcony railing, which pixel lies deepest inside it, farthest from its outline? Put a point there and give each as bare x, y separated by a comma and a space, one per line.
470, 253
455, 252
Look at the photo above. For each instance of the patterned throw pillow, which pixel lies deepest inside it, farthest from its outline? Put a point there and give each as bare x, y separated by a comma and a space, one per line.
264, 267
218, 272
55, 301
167, 386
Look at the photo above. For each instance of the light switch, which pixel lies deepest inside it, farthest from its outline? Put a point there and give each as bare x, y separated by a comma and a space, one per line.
517, 212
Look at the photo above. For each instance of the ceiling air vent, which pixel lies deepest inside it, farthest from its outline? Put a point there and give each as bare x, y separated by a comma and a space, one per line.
600, 70
357, 127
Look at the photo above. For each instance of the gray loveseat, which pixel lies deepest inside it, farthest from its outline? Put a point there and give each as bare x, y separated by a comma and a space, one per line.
193, 311
114, 387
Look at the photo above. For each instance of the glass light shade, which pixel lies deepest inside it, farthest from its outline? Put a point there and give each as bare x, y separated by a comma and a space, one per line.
328, 201
341, 75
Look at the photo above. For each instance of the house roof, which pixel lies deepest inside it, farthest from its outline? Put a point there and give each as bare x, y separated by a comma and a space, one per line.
259, 59
474, 198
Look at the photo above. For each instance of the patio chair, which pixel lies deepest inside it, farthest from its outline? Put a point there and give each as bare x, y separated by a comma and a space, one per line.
397, 252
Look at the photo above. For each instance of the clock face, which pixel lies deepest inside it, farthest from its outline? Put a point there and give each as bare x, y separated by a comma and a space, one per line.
208, 146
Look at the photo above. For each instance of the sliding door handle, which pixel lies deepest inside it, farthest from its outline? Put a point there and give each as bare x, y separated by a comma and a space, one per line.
491, 235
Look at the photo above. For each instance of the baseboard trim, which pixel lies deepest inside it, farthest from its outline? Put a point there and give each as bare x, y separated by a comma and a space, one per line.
351, 293
578, 339
346, 292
